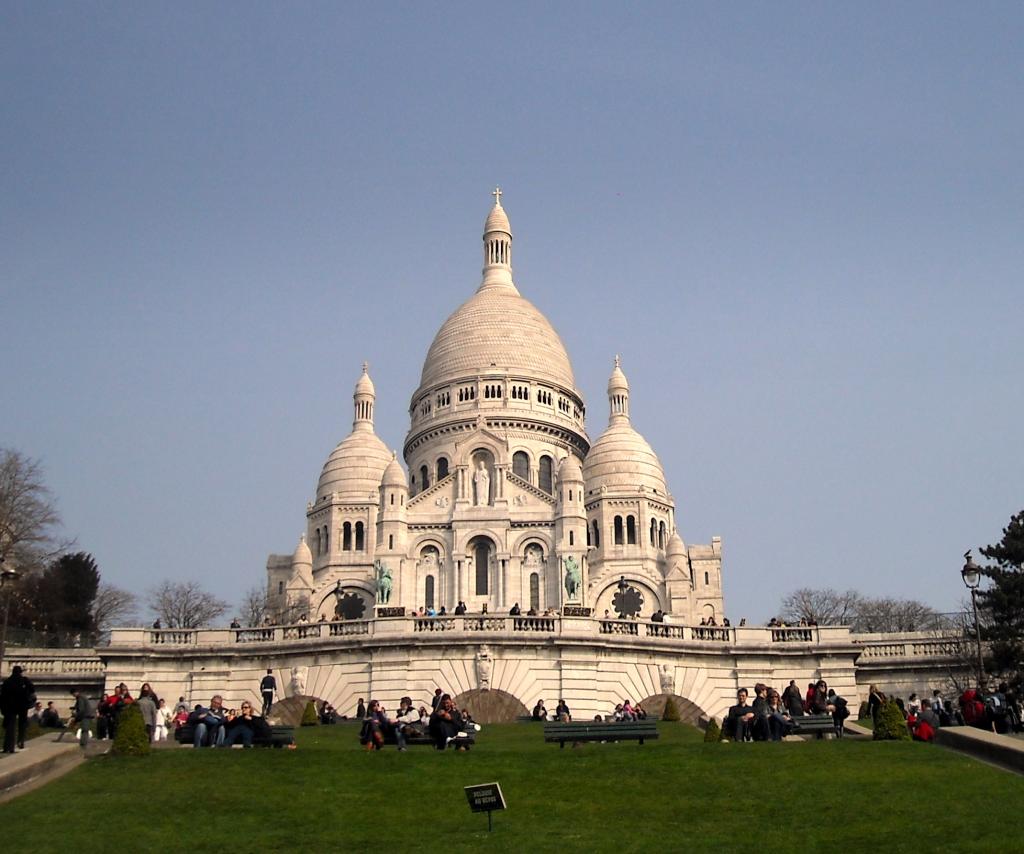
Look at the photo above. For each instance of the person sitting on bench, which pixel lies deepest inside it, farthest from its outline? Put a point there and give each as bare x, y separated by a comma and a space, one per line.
739, 721
245, 726
780, 722
406, 722
209, 723
445, 723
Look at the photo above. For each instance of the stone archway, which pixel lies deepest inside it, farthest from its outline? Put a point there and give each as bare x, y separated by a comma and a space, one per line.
491, 706
689, 712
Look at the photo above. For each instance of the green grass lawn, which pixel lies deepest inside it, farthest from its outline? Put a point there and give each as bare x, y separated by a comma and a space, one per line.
673, 794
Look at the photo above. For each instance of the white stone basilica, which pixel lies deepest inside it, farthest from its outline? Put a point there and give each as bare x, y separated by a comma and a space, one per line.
506, 501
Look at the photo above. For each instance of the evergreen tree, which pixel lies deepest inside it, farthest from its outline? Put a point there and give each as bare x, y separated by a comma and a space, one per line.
1003, 601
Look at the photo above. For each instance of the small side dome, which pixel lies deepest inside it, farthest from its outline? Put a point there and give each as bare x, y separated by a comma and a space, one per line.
675, 547
394, 474
569, 470
302, 556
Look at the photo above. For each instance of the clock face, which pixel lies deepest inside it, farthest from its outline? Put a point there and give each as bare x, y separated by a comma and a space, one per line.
628, 601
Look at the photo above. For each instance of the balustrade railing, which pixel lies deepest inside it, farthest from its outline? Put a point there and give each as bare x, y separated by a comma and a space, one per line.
262, 635
178, 637
791, 634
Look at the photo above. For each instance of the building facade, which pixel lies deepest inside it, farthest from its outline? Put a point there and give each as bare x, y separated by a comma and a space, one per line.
503, 499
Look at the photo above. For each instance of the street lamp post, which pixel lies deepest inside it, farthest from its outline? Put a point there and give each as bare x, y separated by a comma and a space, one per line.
7, 576
971, 574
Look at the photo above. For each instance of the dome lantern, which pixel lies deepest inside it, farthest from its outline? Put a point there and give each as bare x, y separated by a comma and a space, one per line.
497, 247
363, 398
618, 393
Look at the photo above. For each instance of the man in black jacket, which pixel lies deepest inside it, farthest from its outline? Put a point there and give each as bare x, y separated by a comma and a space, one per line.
268, 685
16, 695
740, 719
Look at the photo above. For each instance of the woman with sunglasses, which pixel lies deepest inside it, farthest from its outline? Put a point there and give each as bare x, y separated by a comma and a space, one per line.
245, 726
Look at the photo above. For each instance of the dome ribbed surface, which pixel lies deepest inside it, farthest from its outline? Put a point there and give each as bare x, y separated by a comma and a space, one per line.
497, 220
569, 470
621, 459
355, 467
497, 329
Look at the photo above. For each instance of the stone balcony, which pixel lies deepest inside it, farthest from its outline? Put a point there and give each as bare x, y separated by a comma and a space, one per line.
479, 628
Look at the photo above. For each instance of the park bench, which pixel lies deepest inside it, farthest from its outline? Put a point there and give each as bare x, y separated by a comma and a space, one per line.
600, 731
279, 736
812, 724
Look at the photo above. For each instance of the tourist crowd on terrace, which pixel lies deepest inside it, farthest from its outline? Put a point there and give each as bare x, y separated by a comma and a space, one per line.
461, 609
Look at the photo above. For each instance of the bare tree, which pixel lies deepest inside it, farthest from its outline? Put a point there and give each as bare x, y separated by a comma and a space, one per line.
112, 606
29, 521
825, 607
184, 604
254, 607
895, 615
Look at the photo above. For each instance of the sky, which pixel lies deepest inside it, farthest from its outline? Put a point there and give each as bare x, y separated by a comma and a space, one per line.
801, 225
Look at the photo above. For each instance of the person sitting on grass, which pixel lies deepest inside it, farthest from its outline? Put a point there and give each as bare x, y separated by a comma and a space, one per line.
245, 726
209, 723
374, 726
406, 722
739, 722
49, 717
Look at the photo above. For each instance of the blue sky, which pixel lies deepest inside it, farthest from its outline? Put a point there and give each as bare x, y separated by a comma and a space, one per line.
800, 225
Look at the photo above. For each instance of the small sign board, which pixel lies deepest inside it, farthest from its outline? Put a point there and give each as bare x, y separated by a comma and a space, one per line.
485, 797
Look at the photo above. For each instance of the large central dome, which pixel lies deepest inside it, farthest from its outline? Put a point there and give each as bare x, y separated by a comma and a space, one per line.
497, 330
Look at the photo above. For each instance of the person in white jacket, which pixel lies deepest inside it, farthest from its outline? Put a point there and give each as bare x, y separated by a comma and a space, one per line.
163, 721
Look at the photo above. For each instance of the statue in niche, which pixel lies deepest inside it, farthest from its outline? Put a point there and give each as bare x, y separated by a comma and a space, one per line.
534, 557
483, 668
573, 578
667, 677
482, 484
383, 577
298, 681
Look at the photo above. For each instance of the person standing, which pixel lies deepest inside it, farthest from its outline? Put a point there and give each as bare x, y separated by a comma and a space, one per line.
17, 695
268, 685
84, 713
147, 705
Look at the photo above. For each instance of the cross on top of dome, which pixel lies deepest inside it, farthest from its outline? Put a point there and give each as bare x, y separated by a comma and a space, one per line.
497, 196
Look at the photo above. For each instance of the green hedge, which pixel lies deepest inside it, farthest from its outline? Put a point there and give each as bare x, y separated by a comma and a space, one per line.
309, 715
132, 738
671, 712
891, 726
713, 732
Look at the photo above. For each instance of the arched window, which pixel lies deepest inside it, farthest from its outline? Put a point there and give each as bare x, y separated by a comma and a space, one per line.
654, 532
392, 499
571, 539
280, 587
360, 544
707, 579
318, 542
597, 535
661, 536
544, 475
428, 591
618, 530
534, 591
327, 540
521, 465
589, 542
346, 536
631, 530
424, 478
442, 468
482, 553
391, 541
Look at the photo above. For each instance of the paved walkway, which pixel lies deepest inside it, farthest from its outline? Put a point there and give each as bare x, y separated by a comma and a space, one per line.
43, 759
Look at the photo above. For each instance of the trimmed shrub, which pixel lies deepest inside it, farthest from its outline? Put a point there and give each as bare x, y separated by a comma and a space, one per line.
862, 712
132, 738
671, 712
713, 731
891, 726
309, 715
